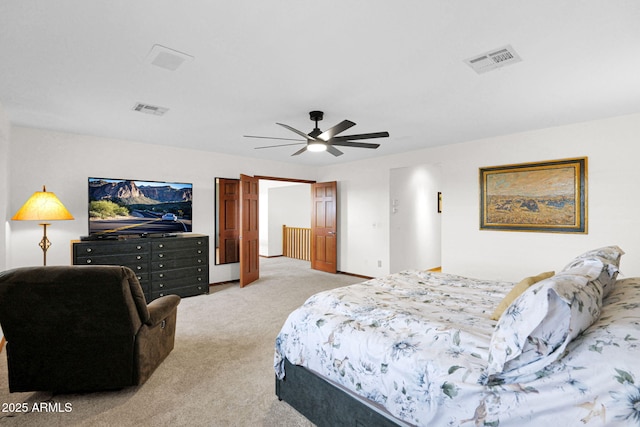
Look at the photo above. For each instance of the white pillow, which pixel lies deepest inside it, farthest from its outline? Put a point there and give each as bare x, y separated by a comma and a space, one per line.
536, 328
610, 258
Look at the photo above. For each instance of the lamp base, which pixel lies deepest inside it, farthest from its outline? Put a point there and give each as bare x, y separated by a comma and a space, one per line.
44, 243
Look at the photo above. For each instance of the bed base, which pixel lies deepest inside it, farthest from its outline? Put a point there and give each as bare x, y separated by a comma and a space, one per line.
323, 403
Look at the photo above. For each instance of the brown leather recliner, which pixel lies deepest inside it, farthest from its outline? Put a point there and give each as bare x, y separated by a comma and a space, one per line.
82, 328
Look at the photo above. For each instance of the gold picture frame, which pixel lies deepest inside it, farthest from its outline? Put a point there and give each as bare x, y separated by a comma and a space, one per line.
549, 196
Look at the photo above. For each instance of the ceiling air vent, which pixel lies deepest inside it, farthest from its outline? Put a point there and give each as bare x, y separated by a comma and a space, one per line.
150, 109
493, 59
169, 59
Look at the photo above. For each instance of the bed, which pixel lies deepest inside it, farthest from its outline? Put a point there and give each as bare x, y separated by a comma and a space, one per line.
420, 348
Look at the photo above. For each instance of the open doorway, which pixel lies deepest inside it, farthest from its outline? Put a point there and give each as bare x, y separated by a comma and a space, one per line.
304, 230
282, 203
306, 204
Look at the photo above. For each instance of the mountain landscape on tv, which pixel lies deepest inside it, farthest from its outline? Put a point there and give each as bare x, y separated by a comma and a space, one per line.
138, 207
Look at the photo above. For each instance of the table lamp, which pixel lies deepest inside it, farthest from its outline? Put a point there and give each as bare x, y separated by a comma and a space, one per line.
43, 206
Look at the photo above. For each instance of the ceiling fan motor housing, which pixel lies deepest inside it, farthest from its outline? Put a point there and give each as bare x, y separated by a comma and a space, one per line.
316, 116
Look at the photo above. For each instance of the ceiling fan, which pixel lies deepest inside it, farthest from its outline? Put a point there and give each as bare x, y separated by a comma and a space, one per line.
317, 140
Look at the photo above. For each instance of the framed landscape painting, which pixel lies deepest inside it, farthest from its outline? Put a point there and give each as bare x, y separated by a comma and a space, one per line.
548, 196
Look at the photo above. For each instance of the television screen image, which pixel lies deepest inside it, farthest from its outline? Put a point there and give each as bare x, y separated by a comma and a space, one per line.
124, 206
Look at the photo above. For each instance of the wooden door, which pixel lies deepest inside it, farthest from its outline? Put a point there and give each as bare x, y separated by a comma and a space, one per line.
324, 238
228, 220
249, 233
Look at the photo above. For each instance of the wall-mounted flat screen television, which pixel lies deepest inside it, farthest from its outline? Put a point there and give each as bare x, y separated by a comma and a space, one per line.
126, 206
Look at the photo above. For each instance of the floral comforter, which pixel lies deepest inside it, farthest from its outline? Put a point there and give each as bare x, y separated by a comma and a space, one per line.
417, 344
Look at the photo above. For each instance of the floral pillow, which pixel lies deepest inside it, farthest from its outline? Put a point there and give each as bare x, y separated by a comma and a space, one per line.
536, 328
516, 291
610, 258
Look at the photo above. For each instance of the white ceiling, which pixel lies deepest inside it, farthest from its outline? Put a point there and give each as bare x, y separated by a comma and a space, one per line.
80, 66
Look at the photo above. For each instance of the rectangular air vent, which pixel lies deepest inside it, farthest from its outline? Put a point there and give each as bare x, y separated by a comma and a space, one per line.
169, 59
150, 109
493, 59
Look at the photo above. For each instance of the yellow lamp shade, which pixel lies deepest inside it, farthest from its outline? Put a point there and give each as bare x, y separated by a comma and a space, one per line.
42, 206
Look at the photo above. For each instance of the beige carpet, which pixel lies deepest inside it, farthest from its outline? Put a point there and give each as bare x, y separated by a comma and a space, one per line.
219, 374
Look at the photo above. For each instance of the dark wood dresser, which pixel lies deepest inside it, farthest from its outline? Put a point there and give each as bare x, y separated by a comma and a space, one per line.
164, 265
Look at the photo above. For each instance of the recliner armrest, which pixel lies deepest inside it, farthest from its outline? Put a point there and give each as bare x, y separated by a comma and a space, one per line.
160, 308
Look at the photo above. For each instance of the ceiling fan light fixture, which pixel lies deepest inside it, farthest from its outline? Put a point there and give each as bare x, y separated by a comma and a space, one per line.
316, 146
318, 141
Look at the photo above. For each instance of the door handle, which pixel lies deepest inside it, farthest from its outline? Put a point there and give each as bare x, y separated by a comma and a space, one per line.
331, 232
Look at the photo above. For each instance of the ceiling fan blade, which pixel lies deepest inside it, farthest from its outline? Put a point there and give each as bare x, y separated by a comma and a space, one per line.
355, 144
300, 151
271, 137
333, 150
340, 127
279, 145
361, 136
299, 132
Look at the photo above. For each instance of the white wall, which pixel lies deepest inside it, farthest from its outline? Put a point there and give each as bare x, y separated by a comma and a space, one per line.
63, 162
287, 206
5, 129
612, 149
415, 225
363, 215
610, 144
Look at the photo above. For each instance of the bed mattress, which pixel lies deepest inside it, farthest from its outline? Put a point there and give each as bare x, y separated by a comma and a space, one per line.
417, 343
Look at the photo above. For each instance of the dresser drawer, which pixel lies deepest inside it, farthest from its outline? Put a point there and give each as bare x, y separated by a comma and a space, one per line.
93, 249
119, 259
186, 291
138, 265
180, 273
169, 263
160, 285
178, 243
176, 254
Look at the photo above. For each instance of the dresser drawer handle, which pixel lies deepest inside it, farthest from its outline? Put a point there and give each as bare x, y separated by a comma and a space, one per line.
199, 270
199, 261
199, 242
199, 251
138, 257
161, 245
199, 279
89, 249
138, 247
161, 294
139, 267
161, 285
89, 261
161, 275
160, 265
161, 255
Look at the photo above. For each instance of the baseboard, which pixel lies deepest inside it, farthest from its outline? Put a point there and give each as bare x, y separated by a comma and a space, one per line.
339, 272
355, 275
224, 283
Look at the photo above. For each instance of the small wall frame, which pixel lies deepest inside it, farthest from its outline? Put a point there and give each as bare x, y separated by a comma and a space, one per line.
549, 196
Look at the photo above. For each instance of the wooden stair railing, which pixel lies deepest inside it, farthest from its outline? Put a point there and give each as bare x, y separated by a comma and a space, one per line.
296, 242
